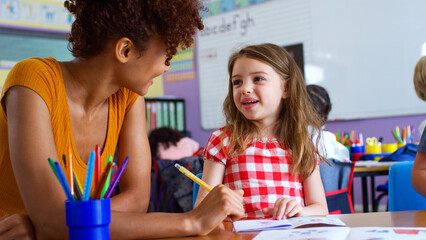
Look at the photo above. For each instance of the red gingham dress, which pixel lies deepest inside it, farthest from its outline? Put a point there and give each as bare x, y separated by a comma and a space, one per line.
262, 171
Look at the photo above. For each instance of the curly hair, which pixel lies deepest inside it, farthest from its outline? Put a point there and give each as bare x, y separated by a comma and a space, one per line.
98, 22
320, 99
296, 114
163, 135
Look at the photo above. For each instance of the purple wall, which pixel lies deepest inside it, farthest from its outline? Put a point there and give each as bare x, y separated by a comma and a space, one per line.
188, 90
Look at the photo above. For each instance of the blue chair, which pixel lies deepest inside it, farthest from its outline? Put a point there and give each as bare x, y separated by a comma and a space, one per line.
384, 189
195, 190
402, 196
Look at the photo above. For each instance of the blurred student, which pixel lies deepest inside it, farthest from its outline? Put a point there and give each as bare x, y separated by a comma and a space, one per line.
171, 191
328, 146
169, 144
119, 46
418, 174
265, 147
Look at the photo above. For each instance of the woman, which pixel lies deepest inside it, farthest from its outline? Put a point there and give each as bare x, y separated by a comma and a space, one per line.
119, 47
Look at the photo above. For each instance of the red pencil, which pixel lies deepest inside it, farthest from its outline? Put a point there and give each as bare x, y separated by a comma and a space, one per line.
97, 170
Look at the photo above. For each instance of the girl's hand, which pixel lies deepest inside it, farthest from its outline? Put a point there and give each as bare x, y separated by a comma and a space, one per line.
220, 203
284, 208
16, 226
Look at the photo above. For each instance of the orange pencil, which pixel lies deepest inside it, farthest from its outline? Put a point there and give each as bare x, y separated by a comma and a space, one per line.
403, 135
97, 170
69, 171
98, 191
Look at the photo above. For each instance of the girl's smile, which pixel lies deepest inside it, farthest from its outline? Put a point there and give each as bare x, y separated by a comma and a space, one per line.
249, 102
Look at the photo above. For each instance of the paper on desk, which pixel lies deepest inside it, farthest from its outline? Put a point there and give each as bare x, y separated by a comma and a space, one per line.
373, 163
271, 224
323, 233
339, 233
383, 233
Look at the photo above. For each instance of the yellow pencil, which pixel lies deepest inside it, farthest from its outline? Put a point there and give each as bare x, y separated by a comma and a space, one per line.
193, 177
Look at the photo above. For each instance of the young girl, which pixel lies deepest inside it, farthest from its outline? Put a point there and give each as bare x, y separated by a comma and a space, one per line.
265, 147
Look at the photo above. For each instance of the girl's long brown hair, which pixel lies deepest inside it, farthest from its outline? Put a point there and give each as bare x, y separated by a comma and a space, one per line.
296, 115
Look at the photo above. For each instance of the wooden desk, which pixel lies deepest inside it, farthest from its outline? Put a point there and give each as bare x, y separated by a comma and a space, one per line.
365, 169
379, 219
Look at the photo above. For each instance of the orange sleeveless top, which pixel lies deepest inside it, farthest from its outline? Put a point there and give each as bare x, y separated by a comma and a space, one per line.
44, 76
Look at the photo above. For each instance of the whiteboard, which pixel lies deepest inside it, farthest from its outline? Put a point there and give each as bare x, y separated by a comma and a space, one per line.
363, 52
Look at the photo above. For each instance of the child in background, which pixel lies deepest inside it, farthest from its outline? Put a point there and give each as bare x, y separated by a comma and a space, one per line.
169, 144
328, 146
265, 147
418, 174
171, 191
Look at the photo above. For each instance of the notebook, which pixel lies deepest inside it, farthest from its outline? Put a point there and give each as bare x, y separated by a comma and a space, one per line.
295, 222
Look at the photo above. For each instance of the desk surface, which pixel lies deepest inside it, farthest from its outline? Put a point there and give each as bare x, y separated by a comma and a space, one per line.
379, 219
372, 166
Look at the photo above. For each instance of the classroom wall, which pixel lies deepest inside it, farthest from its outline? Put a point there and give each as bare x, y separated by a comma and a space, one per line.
189, 90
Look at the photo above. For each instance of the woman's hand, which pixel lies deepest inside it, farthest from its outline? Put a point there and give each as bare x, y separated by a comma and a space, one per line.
284, 208
216, 206
16, 226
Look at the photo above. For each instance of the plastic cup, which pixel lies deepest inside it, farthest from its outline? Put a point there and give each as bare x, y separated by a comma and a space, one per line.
373, 149
389, 147
88, 219
357, 152
358, 149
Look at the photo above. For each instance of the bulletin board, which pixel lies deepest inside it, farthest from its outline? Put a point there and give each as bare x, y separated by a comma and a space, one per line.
363, 52
35, 15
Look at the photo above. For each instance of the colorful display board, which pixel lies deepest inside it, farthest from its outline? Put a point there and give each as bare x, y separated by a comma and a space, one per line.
38, 15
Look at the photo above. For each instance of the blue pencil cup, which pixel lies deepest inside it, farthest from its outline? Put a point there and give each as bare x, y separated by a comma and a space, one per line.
88, 219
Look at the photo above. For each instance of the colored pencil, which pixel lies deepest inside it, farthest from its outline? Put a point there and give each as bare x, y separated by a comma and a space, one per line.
89, 176
403, 135
64, 159
63, 182
98, 190
97, 165
69, 170
116, 178
108, 180
77, 187
77, 181
52, 166
193, 177
395, 134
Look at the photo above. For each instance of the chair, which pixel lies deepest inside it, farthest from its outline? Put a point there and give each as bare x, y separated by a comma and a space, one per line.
402, 196
171, 191
195, 190
384, 189
337, 181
